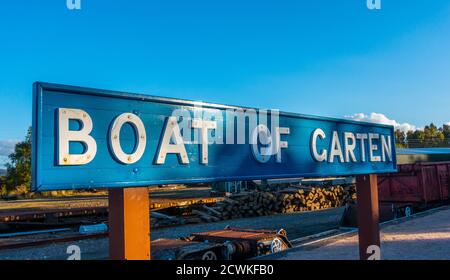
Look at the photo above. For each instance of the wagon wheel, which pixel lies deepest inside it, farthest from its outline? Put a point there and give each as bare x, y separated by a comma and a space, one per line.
277, 245
209, 256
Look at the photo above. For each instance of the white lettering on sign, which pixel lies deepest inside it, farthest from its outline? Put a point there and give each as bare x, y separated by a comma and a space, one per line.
280, 144
349, 147
65, 136
172, 133
264, 142
271, 143
362, 137
261, 133
140, 134
336, 149
323, 155
386, 148
204, 126
373, 147
350, 140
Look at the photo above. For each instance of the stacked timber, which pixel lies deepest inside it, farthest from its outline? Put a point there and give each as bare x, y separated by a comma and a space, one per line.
315, 198
285, 201
260, 203
249, 205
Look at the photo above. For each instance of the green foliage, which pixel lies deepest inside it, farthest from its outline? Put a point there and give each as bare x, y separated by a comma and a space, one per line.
446, 131
400, 138
19, 168
430, 136
3, 190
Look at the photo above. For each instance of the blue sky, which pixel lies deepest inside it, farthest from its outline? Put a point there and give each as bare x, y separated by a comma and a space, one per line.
322, 57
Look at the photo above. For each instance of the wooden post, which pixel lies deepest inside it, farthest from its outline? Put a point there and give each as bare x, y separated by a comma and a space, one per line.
368, 216
129, 224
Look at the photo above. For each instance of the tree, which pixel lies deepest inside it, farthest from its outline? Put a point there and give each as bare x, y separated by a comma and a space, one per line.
400, 138
430, 136
446, 131
19, 168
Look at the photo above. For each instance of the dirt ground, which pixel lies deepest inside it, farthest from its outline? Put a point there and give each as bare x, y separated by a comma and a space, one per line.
421, 238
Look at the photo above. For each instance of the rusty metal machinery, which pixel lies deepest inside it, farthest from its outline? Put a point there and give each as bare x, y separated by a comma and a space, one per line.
227, 244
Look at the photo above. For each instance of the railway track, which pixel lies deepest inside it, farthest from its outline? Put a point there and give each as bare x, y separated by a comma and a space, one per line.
54, 208
52, 245
46, 239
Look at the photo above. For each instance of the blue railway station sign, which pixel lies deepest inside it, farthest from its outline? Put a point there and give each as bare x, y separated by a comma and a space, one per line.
88, 138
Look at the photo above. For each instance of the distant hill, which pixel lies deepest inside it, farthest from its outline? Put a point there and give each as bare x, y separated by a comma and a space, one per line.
2, 172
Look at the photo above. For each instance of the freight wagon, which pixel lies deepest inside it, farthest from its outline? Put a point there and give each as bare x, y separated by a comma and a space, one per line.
419, 183
422, 180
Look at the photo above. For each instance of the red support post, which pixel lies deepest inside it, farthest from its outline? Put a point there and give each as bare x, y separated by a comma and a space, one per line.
129, 224
368, 216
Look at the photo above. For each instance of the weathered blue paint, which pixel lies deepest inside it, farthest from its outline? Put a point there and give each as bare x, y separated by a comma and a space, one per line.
226, 162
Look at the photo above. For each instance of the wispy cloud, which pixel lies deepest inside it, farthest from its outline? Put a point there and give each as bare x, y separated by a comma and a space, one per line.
7, 147
3, 161
382, 119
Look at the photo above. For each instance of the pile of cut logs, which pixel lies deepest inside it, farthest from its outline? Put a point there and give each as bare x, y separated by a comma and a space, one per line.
249, 205
285, 201
261, 203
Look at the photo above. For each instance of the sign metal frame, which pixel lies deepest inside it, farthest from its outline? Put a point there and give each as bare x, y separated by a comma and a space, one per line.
40, 88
